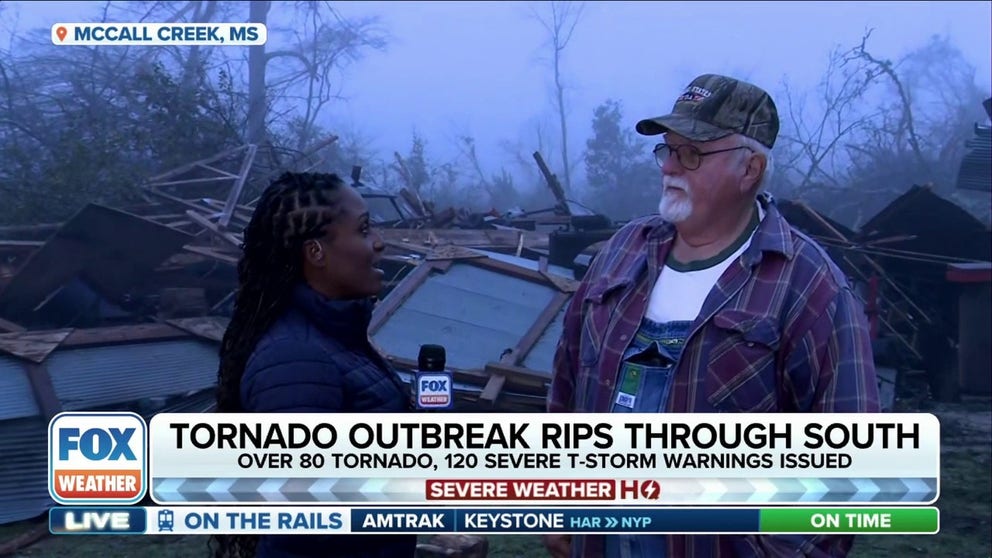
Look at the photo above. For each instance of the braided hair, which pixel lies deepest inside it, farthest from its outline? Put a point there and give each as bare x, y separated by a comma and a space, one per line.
293, 209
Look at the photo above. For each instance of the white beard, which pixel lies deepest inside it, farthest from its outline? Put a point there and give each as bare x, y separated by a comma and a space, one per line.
674, 207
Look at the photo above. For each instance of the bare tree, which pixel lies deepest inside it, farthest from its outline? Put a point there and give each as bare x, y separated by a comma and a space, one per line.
467, 145
308, 75
812, 142
880, 127
202, 12
887, 68
560, 25
189, 59
935, 100
290, 84
499, 187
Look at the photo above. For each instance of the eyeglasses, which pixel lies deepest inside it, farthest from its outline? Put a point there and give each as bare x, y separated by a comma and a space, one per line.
689, 156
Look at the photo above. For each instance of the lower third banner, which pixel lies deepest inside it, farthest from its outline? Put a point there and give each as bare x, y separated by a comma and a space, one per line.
203, 520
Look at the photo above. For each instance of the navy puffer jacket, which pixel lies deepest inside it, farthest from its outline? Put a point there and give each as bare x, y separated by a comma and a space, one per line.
317, 358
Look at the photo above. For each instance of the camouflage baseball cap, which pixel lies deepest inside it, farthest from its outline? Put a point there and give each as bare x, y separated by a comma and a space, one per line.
716, 106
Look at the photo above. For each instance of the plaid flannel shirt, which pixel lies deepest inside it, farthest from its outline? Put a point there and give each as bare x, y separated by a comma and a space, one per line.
780, 331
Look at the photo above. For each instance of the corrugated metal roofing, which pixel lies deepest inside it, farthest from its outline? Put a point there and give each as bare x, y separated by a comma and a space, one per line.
23, 469
16, 397
94, 377
445, 310
90, 378
204, 401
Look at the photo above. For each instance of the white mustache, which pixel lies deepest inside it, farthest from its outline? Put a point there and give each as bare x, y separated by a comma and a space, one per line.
679, 182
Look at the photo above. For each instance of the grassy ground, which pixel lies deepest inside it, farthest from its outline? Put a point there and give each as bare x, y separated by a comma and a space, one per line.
965, 512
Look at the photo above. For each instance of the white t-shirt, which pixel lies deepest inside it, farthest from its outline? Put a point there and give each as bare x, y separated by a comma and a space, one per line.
680, 292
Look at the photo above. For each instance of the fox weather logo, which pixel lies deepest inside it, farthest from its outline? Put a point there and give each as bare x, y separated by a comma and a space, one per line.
97, 458
434, 390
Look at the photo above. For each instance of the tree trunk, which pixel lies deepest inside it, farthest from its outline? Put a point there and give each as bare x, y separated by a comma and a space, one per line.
257, 103
564, 130
191, 70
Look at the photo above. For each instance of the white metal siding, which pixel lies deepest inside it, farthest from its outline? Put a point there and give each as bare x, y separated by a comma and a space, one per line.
16, 396
475, 313
23, 469
89, 378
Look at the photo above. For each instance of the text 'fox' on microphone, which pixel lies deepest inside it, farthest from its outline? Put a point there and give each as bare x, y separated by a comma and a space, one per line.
433, 385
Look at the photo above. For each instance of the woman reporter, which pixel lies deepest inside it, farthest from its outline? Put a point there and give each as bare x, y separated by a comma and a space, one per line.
298, 339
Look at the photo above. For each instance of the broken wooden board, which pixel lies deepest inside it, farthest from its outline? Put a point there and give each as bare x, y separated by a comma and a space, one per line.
7, 326
215, 229
490, 238
113, 335
451, 252
111, 249
211, 328
563, 284
22, 244
490, 392
519, 378
34, 346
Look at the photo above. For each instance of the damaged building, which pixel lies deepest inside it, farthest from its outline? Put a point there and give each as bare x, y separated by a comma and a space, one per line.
124, 308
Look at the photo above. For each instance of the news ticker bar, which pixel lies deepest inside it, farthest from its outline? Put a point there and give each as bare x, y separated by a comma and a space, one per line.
189, 520
524, 459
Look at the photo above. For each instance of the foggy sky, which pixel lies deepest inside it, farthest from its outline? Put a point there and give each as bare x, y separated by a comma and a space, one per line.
481, 68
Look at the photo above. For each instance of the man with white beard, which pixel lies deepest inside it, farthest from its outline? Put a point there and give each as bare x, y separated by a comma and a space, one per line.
715, 305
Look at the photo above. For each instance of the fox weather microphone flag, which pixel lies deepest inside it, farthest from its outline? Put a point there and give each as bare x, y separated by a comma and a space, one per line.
433, 385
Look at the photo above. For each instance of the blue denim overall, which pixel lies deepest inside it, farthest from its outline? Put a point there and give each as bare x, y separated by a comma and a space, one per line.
643, 386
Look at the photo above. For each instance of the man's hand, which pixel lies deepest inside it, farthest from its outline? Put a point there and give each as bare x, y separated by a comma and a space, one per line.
559, 546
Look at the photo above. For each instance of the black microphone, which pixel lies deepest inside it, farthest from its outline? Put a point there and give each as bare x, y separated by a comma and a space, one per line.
433, 387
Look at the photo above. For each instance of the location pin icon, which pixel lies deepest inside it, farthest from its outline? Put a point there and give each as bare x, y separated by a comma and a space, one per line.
61, 32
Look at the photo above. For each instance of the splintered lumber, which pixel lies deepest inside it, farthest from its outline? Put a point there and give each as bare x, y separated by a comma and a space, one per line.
878, 270
7, 326
33, 346
214, 228
234, 194
24, 244
477, 238
160, 179
207, 327
414, 201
